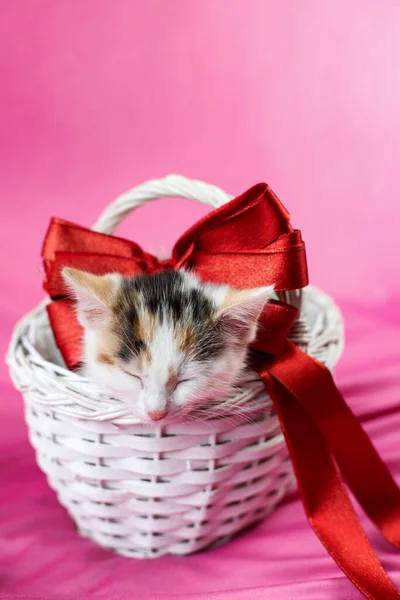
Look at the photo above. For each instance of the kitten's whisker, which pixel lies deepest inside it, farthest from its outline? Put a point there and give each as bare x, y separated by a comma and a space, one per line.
128, 346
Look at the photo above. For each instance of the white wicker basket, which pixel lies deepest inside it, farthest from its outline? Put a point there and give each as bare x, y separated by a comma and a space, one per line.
147, 491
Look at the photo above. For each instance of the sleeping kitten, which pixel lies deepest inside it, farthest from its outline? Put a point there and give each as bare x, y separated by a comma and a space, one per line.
164, 343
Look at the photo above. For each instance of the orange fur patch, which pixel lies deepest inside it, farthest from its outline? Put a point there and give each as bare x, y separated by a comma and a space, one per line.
102, 286
146, 327
105, 359
172, 376
144, 358
107, 347
186, 338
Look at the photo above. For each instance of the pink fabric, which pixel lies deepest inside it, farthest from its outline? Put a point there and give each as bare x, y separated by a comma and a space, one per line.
97, 96
42, 556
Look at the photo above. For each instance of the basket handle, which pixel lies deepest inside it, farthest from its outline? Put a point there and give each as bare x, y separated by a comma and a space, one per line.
172, 185
175, 186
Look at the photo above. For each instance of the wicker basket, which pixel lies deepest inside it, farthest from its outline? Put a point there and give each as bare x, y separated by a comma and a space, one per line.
142, 490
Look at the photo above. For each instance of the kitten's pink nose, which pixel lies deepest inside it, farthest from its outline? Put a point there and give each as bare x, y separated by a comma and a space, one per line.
156, 415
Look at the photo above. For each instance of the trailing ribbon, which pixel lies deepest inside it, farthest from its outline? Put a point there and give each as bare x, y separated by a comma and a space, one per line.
246, 243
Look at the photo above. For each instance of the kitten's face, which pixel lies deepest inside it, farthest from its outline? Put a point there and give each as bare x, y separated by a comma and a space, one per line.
166, 343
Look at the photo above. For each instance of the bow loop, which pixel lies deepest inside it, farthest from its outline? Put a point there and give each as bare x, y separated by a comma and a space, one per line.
249, 222
280, 263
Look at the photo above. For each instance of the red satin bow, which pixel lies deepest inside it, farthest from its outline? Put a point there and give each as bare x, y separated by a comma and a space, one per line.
246, 243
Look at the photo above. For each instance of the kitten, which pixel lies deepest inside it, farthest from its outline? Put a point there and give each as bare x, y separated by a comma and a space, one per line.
164, 343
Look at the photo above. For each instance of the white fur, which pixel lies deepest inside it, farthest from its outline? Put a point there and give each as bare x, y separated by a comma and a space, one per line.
202, 382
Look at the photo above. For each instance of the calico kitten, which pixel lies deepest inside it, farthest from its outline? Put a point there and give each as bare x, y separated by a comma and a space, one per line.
164, 343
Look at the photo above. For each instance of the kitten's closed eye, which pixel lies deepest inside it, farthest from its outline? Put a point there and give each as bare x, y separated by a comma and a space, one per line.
180, 382
137, 377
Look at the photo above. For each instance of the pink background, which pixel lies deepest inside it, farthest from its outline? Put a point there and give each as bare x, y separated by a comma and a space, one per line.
99, 95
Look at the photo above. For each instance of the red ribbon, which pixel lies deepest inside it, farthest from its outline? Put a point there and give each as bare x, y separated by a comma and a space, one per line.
246, 243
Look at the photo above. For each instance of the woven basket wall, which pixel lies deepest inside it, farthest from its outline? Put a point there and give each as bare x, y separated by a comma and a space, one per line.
143, 490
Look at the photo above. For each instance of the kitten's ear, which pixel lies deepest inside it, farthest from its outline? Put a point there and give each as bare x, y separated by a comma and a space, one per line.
94, 295
241, 310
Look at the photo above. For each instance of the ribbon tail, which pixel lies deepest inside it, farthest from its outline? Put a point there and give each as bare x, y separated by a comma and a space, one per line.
67, 332
325, 499
362, 468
